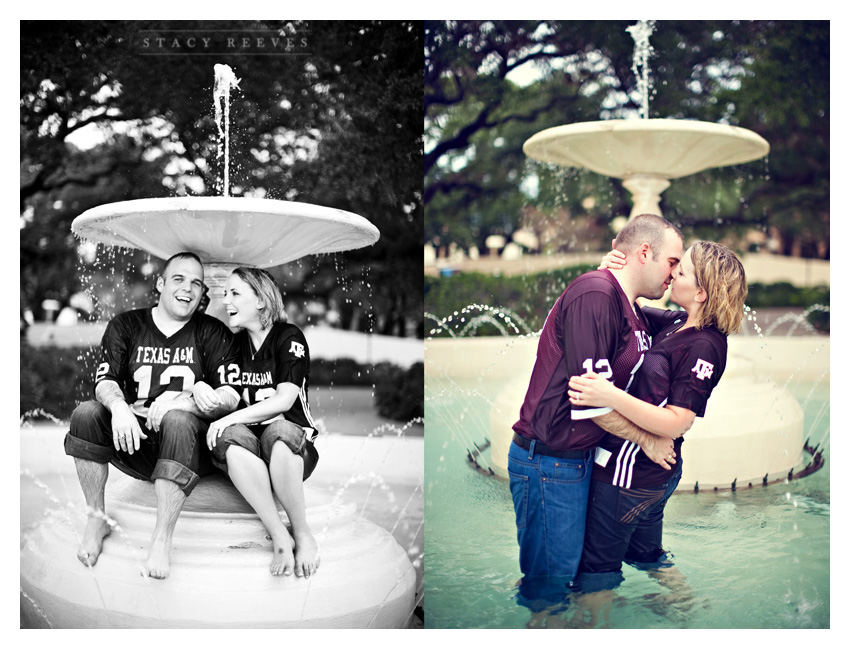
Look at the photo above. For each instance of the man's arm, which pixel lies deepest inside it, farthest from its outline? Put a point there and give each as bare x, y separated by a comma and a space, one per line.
126, 431
658, 449
109, 393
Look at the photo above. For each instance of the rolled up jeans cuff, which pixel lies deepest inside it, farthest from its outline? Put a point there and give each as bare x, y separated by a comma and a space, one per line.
80, 448
182, 476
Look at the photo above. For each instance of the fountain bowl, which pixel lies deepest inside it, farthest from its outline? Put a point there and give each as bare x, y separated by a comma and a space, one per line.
753, 430
249, 231
664, 148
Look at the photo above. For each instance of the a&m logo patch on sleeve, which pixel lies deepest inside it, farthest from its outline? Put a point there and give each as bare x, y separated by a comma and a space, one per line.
702, 369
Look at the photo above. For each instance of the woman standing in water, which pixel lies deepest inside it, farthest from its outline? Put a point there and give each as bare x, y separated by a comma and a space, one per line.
670, 389
266, 446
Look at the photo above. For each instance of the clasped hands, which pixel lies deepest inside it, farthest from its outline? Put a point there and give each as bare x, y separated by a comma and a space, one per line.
592, 390
207, 401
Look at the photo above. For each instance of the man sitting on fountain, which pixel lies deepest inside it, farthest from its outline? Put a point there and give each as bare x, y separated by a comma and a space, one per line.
593, 326
151, 358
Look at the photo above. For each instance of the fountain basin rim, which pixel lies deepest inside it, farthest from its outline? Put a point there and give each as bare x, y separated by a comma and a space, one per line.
214, 204
626, 136
220, 228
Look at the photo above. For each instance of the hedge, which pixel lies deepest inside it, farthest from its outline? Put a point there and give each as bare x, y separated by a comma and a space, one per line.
524, 299
479, 304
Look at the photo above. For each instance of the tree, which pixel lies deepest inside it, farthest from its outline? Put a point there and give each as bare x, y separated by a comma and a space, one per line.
333, 121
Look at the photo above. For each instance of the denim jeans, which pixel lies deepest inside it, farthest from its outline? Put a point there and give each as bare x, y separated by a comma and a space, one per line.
550, 501
623, 525
261, 439
175, 453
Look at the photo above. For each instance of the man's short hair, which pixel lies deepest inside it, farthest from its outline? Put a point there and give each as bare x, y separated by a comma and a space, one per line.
644, 228
180, 255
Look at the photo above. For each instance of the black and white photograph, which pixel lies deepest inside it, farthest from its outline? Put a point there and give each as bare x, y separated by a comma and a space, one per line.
221, 329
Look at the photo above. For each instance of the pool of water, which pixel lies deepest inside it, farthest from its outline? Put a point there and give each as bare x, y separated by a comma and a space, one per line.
753, 558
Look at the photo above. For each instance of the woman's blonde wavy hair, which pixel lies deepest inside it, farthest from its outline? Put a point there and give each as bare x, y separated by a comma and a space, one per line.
721, 275
262, 283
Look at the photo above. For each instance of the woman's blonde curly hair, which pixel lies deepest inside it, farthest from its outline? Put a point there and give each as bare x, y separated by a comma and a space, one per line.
721, 275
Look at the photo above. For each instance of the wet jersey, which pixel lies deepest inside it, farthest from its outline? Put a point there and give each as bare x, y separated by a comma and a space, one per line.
591, 327
681, 369
149, 366
284, 357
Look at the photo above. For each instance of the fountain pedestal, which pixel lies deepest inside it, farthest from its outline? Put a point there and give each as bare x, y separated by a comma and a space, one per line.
646, 193
215, 277
219, 569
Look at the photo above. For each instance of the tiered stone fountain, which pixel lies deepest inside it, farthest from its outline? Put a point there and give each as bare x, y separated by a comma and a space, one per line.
219, 562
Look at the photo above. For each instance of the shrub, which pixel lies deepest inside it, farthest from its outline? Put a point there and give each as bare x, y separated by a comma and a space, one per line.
341, 371
820, 321
529, 297
786, 294
399, 392
55, 379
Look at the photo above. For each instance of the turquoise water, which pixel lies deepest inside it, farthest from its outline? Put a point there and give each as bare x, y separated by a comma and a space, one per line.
754, 558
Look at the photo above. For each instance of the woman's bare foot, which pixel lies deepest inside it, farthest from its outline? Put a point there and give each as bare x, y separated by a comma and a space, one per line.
97, 529
158, 563
306, 555
282, 558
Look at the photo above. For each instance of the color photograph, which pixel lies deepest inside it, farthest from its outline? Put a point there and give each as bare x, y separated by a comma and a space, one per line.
627, 298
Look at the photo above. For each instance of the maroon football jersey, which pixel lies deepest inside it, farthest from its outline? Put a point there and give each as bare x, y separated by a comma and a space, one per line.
591, 327
149, 366
681, 369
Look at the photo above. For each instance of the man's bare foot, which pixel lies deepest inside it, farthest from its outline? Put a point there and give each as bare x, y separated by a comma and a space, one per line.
306, 555
282, 557
158, 564
97, 529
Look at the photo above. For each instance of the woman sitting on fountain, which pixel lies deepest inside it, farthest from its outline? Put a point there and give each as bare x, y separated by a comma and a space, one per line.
688, 355
266, 446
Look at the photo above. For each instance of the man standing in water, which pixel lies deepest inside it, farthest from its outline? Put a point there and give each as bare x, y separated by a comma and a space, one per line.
593, 326
150, 360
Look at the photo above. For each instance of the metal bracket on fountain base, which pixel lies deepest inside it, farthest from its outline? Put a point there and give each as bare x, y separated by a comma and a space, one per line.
472, 457
219, 569
814, 464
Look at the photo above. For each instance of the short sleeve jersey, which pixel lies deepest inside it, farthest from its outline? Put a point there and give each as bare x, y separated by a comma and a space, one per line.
681, 369
284, 357
149, 366
591, 327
